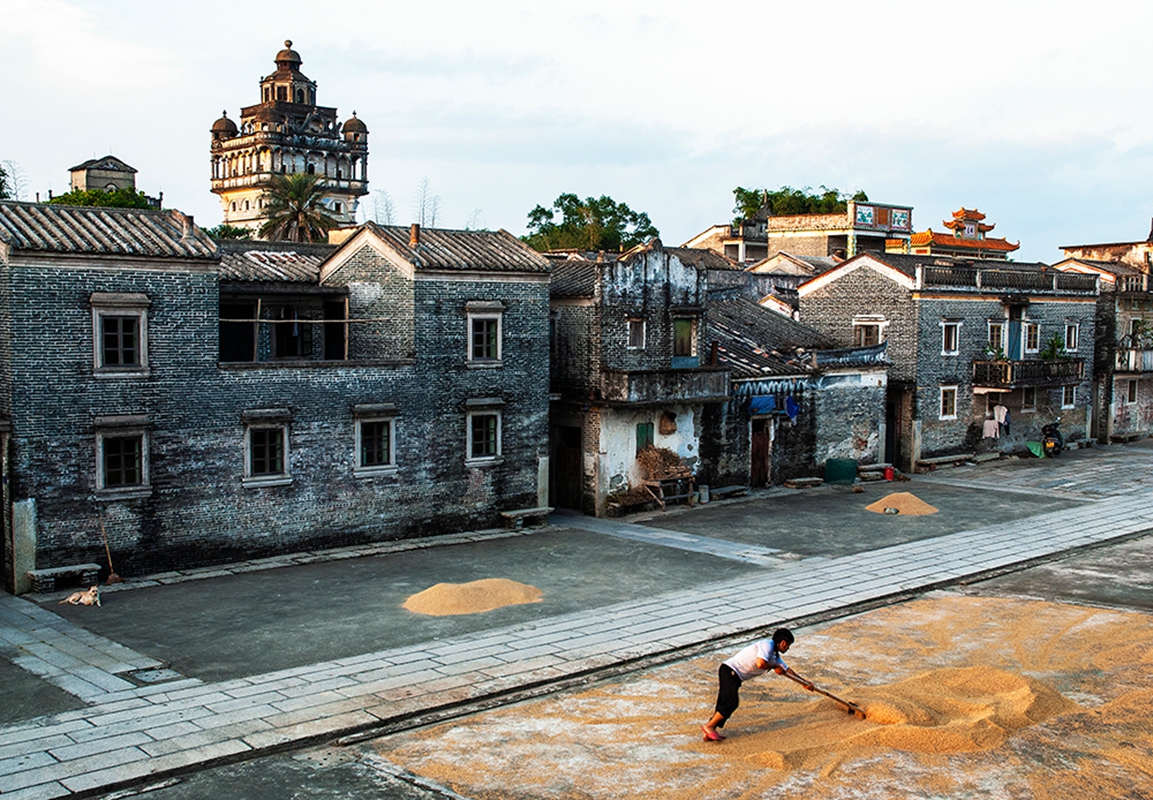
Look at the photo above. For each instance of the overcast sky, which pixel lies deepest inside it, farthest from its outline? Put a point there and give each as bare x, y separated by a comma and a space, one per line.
1034, 112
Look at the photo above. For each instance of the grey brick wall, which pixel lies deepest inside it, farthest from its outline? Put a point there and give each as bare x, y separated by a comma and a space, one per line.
198, 510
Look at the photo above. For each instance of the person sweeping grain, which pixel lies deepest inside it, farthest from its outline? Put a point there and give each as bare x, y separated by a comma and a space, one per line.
756, 659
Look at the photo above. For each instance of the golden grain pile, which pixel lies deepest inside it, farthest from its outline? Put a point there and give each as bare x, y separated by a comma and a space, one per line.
446, 599
906, 503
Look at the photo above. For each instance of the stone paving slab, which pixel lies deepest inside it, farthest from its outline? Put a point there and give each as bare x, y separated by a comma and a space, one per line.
116, 741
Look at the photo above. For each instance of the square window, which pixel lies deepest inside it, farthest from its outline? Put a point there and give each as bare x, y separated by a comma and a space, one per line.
122, 460
636, 334
866, 335
483, 435
120, 333
1071, 332
644, 435
1068, 396
374, 443
267, 452
948, 402
950, 338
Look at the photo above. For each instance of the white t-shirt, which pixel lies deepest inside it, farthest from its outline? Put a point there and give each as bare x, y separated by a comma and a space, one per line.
744, 663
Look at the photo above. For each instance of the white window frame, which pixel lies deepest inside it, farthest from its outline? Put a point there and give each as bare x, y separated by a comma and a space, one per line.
1036, 328
1025, 404
999, 327
637, 322
941, 404
494, 458
122, 428
947, 326
383, 413
273, 419
478, 311
1069, 396
1072, 336
119, 304
1131, 392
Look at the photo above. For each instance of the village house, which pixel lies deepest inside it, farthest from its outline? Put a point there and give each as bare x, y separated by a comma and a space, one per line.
862, 227
198, 403
796, 401
982, 353
630, 368
1124, 343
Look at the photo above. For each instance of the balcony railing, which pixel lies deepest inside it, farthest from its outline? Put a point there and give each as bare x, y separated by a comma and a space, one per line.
665, 386
1134, 359
1008, 280
1015, 374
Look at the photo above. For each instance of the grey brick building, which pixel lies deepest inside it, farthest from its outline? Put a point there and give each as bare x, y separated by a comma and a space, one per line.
964, 338
200, 403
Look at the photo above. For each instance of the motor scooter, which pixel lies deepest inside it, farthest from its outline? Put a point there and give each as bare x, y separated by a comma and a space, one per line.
1052, 440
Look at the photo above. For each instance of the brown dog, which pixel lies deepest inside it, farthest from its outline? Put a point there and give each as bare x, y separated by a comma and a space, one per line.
87, 598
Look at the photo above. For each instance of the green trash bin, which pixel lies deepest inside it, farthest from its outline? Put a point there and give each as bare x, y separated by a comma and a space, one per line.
840, 470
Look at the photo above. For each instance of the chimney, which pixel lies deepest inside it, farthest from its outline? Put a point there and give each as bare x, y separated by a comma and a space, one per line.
414, 235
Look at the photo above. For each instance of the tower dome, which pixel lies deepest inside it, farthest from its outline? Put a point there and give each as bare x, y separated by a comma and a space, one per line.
354, 125
224, 128
288, 58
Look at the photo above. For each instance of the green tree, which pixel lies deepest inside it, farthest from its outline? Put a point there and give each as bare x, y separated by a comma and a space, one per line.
589, 224
226, 231
117, 198
295, 210
787, 200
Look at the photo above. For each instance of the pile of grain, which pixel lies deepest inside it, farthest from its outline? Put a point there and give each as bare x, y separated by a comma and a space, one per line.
445, 599
906, 503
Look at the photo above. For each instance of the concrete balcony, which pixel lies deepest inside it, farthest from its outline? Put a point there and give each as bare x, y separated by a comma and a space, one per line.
1133, 359
1006, 375
656, 387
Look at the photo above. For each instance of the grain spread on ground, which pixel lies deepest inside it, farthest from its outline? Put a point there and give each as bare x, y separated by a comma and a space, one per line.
906, 504
446, 599
965, 697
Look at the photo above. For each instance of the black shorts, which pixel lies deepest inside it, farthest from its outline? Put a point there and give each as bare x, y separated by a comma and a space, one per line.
728, 695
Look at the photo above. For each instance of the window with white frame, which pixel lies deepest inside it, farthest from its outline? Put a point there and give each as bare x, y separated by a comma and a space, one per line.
1032, 337
948, 407
1072, 330
484, 332
120, 333
1131, 391
375, 439
636, 334
266, 456
997, 339
868, 330
950, 337
1029, 398
122, 455
1068, 396
483, 430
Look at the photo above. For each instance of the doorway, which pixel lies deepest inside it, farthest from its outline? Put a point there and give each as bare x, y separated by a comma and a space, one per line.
567, 486
760, 452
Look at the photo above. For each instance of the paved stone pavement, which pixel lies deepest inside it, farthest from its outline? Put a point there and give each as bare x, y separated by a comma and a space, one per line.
131, 731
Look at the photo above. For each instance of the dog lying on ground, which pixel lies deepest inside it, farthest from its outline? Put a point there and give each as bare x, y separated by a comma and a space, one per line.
91, 597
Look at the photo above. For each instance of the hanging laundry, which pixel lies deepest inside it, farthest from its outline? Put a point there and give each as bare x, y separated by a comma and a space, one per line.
992, 429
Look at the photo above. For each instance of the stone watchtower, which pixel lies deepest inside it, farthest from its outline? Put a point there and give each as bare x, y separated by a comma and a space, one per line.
287, 133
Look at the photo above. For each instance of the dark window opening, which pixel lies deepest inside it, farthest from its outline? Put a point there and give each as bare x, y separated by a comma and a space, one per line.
292, 338
123, 461
335, 332
237, 332
281, 93
121, 337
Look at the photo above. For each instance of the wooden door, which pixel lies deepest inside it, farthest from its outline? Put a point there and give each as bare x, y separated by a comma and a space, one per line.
760, 452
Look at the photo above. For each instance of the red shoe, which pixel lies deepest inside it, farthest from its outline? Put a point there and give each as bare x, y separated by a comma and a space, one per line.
712, 736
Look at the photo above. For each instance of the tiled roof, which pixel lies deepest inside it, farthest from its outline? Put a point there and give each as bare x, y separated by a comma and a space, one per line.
480, 251
699, 257
1112, 267
96, 230
969, 214
908, 263
290, 262
931, 237
574, 277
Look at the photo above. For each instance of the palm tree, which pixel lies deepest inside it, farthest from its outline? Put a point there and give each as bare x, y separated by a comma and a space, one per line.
295, 210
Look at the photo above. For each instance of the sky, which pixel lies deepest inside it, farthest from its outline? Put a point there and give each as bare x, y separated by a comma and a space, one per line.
1033, 112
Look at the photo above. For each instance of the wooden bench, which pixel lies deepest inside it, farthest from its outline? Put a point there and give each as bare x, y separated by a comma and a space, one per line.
728, 491
803, 483
44, 580
930, 464
518, 517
